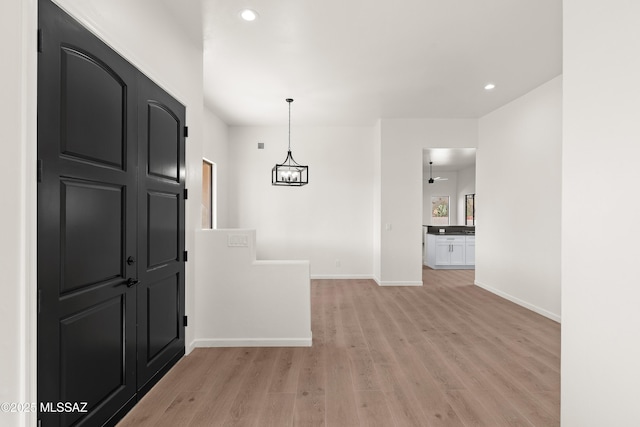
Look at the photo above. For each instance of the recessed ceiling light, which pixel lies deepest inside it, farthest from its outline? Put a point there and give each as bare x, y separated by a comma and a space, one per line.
249, 15
489, 86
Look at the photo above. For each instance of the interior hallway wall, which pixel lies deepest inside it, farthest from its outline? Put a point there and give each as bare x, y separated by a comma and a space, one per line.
330, 220
400, 223
519, 188
600, 251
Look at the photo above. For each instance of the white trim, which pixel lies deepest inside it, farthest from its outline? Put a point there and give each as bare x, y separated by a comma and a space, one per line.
29, 126
342, 276
381, 283
451, 267
252, 342
534, 308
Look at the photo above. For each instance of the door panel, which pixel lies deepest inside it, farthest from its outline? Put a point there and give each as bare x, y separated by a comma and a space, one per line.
163, 211
85, 350
163, 297
164, 132
160, 298
92, 107
91, 250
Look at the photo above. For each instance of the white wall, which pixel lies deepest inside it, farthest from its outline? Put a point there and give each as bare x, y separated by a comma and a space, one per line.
215, 148
440, 188
328, 221
401, 189
466, 185
519, 182
243, 302
148, 36
601, 148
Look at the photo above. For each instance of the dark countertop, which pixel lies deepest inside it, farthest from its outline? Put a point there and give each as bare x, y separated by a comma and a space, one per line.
451, 230
453, 233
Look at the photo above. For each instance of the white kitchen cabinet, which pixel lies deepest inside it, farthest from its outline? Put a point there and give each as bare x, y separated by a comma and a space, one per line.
470, 250
443, 253
458, 254
449, 251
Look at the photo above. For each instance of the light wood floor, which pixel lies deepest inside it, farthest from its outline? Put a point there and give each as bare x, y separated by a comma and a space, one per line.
445, 354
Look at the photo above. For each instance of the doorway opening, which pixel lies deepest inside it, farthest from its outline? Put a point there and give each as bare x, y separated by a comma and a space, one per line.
209, 195
453, 172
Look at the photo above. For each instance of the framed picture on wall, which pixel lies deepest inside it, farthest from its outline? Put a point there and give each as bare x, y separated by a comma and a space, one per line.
440, 210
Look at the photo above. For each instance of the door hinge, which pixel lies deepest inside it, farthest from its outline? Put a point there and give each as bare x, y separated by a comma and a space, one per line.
185, 321
39, 170
186, 253
39, 41
186, 194
186, 131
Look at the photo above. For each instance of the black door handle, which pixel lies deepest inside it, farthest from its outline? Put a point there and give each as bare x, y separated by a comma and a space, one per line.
131, 260
132, 282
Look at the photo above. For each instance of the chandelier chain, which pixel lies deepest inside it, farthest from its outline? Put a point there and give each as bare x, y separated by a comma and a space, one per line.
289, 124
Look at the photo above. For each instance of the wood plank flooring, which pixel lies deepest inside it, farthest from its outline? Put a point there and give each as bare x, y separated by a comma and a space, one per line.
444, 354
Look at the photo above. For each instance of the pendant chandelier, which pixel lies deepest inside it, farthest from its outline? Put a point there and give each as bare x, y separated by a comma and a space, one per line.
290, 172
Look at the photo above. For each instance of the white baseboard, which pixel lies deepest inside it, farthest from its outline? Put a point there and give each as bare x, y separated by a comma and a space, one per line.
387, 283
341, 276
451, 267
520, 302
252, 342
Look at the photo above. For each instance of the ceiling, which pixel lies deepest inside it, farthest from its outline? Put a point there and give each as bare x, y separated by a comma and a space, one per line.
448, 159
351, 62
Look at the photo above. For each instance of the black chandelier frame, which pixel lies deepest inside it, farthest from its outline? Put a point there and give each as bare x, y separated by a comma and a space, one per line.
290, 173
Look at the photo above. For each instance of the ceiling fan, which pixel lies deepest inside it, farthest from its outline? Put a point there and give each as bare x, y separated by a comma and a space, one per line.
437, 178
